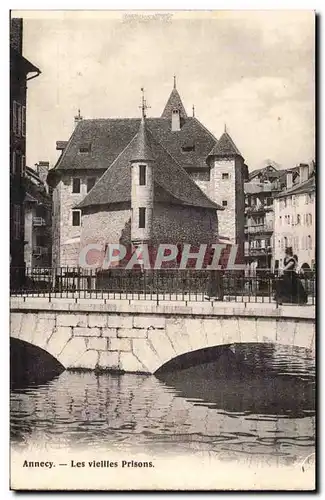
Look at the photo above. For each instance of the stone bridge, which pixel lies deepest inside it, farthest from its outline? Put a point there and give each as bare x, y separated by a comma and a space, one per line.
141, 336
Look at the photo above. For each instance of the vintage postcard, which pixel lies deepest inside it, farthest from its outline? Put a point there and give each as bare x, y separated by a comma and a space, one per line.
162, 250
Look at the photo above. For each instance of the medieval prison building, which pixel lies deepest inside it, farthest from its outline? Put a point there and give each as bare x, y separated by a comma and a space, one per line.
153, 180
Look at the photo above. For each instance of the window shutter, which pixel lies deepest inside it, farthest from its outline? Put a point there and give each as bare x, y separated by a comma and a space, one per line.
23, 161
13, 163
23, 121
19, 121
14, 117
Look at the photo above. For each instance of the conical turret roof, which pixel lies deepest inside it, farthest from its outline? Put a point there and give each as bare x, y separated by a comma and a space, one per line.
174, 102
225, 147
141, 146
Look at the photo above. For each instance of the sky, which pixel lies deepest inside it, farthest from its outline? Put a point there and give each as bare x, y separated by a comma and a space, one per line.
251, 70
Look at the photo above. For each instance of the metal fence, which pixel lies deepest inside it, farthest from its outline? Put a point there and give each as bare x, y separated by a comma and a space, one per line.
158, 285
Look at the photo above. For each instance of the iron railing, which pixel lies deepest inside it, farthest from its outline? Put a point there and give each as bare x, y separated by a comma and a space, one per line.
158, 285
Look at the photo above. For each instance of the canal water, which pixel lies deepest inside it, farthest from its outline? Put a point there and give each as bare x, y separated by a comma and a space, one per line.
254, 402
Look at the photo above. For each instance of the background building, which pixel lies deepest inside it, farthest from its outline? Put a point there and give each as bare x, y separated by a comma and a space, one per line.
38, 217
263, 186
192, 171
294, 218
20, 68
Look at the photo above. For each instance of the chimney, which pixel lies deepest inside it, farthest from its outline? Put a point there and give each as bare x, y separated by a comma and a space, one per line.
77, 118
303, 172
43, 170
176, 120
289, 180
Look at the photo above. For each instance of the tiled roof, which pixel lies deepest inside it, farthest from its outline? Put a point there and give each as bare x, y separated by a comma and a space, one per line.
174, 102
300, 188
141, 145
109, 137
115, 184
225, 147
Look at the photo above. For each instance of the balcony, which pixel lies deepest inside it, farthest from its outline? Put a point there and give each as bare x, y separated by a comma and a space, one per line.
39, 221
257, 252
259, 228
259, 209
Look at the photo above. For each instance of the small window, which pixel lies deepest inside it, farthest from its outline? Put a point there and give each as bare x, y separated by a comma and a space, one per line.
225, 176
84, 148
76, 185
142, 217
310, 243
224, 203
76, 217
175, 111
298, 219
142, 175
91, 181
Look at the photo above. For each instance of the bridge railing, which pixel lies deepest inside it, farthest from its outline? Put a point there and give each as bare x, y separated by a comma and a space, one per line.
158, 285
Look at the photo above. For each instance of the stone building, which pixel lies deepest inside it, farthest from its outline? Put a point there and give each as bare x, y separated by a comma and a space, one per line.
188, 175
20, 68
38, 217
262, 186
294, 218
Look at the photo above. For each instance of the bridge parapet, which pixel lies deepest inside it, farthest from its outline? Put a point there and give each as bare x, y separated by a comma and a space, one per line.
142, 336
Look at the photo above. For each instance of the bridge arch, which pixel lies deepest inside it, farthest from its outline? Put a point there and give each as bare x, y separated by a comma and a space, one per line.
31, 365
143, 338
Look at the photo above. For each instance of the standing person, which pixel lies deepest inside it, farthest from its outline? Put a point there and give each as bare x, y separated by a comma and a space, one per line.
215, 285
289, 287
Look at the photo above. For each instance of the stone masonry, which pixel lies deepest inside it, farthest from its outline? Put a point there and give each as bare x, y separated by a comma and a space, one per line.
142, 337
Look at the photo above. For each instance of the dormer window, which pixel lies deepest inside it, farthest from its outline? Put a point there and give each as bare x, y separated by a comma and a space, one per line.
188, 148
84, 148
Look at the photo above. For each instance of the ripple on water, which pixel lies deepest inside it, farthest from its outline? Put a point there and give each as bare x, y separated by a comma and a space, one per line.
264, 411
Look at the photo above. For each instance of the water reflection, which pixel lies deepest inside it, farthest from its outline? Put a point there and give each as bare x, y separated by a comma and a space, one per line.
246, 413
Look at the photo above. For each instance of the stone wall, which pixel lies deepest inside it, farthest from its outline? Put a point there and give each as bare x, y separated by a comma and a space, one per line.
184, 224
230, 190
142, 337
65, 251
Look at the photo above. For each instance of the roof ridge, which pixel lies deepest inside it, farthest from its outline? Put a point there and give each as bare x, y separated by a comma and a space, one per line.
296, 187
204, 128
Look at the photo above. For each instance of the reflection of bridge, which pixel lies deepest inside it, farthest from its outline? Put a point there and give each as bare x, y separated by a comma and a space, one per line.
143, 336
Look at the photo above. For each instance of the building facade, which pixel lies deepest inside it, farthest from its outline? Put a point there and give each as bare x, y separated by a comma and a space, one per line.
38, 217
260, 191
20, 68
294, 219
193, 192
